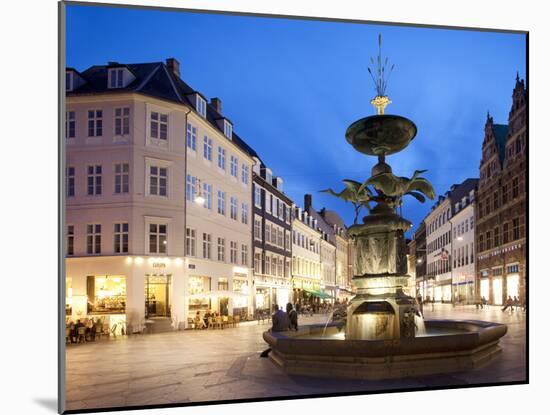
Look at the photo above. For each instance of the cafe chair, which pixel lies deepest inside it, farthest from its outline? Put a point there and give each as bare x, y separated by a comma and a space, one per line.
81, 335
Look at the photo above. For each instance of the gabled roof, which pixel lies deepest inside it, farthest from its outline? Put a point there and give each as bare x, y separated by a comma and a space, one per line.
154, 79
501, 136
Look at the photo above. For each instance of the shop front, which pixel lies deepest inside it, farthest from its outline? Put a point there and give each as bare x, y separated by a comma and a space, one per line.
497, 286
306, 290
512, 281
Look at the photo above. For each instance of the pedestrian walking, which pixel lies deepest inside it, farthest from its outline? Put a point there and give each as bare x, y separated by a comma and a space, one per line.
509, 304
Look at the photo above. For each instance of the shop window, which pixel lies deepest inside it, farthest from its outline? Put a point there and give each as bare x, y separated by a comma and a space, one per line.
198, 286
106, 294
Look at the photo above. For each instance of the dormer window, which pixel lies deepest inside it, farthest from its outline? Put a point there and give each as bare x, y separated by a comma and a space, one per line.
200, 105
69, 81
228, 129
116, 78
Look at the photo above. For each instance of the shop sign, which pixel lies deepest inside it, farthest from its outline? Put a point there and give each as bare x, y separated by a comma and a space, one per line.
159, 265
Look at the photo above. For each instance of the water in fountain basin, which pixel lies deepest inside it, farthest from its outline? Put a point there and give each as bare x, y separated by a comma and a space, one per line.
328, 321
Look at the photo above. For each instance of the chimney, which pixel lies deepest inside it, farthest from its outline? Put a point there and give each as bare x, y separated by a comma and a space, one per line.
217, 104
307, 201
256, 166
173, 66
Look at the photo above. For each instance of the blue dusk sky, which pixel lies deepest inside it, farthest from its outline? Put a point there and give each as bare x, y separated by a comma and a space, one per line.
292, 87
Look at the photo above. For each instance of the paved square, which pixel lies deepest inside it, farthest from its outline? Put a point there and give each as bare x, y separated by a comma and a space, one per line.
209, 365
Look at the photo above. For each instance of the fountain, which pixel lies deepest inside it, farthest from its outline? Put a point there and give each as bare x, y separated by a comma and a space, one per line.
385, 336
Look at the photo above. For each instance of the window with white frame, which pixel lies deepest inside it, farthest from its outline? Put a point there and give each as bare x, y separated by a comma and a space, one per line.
70, 181
121, 238
122, 178
257, 263
200, 104
233, 208
221, 158
158, 238
207, 194
70, 124
93, 238
268, 177
94, 180
245, 172
122, 121
116, 78
233, 252
244, 213
190, 242
244, 254
70, 239
287, 240
221, 202
234, 166
159, 126
158, 181
191, 188
257, 196
207, 246
267, 232
227, 129
221, 249
191, 137
257, 228
95, 123
207, 148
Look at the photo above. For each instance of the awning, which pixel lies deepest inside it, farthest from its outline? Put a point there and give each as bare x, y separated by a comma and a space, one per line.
319, 294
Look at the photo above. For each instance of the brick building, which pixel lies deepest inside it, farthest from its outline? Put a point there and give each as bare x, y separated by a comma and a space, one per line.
502, 205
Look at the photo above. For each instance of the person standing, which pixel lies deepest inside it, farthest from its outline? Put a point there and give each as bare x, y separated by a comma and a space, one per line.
292, 316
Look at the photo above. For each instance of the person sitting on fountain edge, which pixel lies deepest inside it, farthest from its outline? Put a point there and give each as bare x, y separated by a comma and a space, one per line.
292, 316
280, 319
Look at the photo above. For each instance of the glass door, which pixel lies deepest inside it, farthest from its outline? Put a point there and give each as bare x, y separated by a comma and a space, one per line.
157, 295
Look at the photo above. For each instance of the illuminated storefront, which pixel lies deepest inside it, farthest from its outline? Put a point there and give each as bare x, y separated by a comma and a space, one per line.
199, 294
512, 281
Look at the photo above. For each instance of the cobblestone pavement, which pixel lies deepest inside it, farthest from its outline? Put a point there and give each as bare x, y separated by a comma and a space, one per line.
211, 365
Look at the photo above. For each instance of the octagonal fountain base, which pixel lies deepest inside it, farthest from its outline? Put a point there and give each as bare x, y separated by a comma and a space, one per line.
447, 346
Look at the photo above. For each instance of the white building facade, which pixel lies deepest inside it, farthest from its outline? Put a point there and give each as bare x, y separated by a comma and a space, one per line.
158, 193
463, 251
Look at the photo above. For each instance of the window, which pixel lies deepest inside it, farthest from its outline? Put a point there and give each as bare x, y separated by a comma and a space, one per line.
496, 236
267, 232
267, 265
95, 123
70, 181
481, 243
94, 180
244, 254
471, 222
122, 121
207, 148
257, 262
257, 196
191, 188
472, 253
157, 238
227, 129
233, 252
515, 187
221, 249
505, 233
221, 158
244, 174
122, 178
480, 210
207, 194
69, 81
495, 200
201, 106
121, 238
234, 166
515, 229
93, 238
207, 245
287, 241
504, 194
221, 202
158, 181
257, 228
70, 124
70, 240
116, 77
487, 206
190, 242
159, 126
518, 146
233, 208
488, 239
244, 213
191, 137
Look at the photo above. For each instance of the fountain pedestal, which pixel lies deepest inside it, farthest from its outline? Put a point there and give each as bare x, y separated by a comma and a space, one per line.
377, 310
